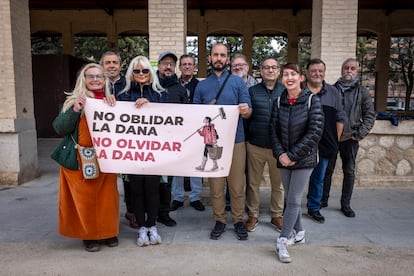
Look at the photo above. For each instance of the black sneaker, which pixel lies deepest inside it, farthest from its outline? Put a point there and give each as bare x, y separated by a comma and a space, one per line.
197, 205
324, 203
176, 204
166, 220
316, 216
347, 211
219, 229
241, 231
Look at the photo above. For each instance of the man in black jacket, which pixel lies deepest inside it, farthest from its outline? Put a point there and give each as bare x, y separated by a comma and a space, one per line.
331, 102
360, 119
259, 147
175, 93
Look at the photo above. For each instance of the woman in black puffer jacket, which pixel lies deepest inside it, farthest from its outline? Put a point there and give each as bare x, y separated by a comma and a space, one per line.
296, 127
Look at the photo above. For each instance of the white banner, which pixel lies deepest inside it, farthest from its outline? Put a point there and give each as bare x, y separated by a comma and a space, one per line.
159, 138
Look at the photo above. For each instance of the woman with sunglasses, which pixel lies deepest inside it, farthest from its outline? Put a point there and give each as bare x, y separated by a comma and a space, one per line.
142, 86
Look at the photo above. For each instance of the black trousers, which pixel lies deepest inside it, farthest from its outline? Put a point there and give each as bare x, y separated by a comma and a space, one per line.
144, 189
165, 197
347, 151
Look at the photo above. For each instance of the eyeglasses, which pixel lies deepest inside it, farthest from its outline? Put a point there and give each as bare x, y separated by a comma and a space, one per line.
93, 77
267, 67
238, 65
139, 71
166, 63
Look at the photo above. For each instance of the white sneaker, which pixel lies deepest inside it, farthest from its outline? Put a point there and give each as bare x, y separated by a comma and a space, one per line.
142, 237
296, 238
153, 236
281, 249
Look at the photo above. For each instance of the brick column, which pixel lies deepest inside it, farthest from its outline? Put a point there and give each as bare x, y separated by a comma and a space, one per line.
18, 143
167, 27
334, 33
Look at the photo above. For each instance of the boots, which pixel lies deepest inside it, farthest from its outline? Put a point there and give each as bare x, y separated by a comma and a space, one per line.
203, 164
215, 166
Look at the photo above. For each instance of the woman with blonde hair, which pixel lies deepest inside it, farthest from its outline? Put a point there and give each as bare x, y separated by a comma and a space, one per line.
88, 208
143, 86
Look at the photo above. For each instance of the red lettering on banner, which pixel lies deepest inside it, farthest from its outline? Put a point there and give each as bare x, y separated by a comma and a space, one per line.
102, 155
133, 156
104, 142
148, 145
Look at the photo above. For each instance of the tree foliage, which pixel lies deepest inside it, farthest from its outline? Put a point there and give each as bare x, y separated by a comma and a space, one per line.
46, 45
130, 47
90, 48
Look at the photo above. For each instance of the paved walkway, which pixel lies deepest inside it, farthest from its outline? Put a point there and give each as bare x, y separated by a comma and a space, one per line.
378, 241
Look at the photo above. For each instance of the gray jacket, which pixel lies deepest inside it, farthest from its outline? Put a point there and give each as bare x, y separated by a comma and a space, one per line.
360, 113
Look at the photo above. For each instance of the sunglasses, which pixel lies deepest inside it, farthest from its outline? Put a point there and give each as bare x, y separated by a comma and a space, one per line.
138, 71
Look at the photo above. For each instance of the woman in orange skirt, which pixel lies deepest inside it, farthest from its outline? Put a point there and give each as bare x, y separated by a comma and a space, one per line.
88, 208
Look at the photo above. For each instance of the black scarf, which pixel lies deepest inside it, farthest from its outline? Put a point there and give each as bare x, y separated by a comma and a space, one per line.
167, 81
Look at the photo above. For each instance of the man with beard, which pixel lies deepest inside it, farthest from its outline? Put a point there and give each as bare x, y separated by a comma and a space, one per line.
234, 92
360, 119
175, 93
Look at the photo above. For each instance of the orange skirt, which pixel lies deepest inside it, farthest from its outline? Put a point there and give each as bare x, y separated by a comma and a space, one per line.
88, 209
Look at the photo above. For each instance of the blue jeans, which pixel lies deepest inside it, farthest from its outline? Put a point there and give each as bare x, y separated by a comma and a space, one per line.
177, 188
315, 190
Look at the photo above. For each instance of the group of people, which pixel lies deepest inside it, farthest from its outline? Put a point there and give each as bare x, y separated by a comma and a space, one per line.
294, 126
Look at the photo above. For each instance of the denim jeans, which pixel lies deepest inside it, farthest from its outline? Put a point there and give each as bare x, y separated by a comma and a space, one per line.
177, 188
315, 190
328, 177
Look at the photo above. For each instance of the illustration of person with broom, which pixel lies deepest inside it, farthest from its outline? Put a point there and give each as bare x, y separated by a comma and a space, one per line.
210, 141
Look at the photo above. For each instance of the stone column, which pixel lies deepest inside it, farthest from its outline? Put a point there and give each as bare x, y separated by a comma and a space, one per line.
18, 142
334, 33
167, 27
